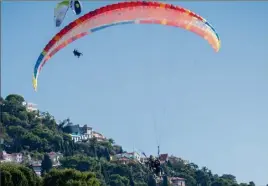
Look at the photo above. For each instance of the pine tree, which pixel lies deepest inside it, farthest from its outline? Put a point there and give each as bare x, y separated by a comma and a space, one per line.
46, 164
151, 181
107, 154
131, 180
165, 181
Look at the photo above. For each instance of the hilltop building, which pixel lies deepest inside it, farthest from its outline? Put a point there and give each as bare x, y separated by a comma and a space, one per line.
177, 181
36, 164
14, 157
30, 107
98, 136
128, 157
78, 133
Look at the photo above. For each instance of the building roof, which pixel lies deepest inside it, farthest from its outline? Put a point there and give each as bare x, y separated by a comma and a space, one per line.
177, 178
99, 135
75, 135
74, 129
87, 126
29, 103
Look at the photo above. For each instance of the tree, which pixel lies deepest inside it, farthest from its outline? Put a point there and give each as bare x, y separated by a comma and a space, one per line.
13, 174
107, 155
118, 149
202, 177
46, 164
15, 98
117, 180
93, 145
140, 184
229, 177
6, 178
151, 181
70, 177
165, 181
38, 133
131, 180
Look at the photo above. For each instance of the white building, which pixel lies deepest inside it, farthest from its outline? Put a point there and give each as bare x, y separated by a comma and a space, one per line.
87, 132
5, 157
14, 157
17, 157
129, 155
79, 133
30, 106
177, 181
55, 158
76, 138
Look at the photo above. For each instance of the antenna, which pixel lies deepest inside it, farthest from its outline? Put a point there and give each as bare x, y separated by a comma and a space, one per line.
158, 152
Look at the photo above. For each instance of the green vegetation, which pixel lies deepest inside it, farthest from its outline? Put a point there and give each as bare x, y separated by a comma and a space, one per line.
85, 163
18, 175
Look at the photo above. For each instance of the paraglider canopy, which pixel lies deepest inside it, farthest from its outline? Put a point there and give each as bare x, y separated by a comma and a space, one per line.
76, 6
139, 12
62, 8
60, 12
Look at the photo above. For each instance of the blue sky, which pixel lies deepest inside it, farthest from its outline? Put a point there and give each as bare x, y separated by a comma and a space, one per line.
209, 108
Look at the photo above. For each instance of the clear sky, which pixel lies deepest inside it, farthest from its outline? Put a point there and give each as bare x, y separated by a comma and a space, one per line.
209, 108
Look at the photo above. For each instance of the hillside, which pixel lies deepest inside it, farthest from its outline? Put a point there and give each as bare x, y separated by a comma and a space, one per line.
86, 163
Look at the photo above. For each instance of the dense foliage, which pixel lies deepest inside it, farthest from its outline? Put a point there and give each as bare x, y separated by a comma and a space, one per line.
18, 175
85, 163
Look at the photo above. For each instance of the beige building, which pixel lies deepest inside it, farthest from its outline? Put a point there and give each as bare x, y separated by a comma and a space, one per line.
98, 136
128, 157
177, 181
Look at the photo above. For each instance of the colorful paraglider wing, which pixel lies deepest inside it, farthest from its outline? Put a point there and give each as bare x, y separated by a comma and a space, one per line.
60, 12
34, 83
76, 6
139, 12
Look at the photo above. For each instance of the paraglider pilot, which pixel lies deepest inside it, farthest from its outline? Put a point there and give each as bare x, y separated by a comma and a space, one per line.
76, 53
154, 165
